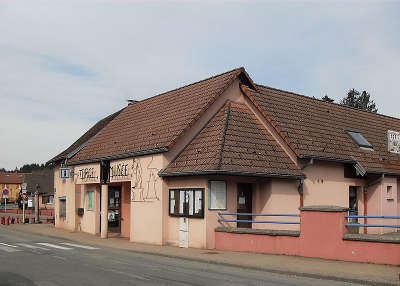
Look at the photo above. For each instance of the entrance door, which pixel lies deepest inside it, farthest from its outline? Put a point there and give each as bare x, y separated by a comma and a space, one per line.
114, 209
353, 207
244, 204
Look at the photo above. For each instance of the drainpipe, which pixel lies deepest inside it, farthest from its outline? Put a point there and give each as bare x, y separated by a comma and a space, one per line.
366, 186
301, 182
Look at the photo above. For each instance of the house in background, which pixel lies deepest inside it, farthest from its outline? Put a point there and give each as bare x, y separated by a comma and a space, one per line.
160, 170
43, 182
12, 182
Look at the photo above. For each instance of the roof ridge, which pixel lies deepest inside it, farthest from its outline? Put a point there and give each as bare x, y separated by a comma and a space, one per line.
193, 83
333, 103
223, 135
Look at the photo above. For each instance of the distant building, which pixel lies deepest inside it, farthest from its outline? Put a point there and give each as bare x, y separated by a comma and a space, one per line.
43, 181
12, 182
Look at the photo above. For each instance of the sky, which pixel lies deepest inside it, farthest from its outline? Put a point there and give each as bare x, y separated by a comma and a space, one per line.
64, 65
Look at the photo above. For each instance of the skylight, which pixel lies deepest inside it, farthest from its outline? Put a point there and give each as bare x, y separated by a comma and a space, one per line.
359, 139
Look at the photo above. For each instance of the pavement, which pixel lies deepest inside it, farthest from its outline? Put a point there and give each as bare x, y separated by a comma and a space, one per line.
351, 272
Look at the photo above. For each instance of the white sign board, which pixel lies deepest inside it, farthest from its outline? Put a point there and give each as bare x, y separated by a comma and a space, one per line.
65, 173
394, 141
30, 203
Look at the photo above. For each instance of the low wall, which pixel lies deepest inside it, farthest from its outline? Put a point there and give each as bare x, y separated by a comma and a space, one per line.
321, 235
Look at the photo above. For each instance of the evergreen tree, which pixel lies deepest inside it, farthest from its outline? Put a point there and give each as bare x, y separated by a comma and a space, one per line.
327, 98
360, 101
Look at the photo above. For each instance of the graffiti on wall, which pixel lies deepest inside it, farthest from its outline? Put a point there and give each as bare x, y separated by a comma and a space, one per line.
144, 188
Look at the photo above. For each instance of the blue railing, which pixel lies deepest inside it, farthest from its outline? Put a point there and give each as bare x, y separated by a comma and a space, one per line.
373, 225
258, 221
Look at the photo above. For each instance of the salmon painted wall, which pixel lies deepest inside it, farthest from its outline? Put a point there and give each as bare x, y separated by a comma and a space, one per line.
326, 185
197, 226
277, 197
126, 210
146, 199
90, 220
64, 188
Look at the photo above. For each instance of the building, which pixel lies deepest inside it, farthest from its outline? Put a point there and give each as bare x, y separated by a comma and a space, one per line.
43, 182
12, 182
160, 170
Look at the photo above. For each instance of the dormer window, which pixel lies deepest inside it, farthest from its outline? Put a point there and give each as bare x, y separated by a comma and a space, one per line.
359, 139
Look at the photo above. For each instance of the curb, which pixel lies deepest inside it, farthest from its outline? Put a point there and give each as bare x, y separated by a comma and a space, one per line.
271, 270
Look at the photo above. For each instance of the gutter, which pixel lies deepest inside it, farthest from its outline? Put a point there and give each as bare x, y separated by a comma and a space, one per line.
230, 173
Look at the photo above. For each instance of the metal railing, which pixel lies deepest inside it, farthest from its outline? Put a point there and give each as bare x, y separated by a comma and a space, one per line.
372, 225
258, 221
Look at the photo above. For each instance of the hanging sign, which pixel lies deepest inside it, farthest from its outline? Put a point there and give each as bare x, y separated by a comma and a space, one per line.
393, 141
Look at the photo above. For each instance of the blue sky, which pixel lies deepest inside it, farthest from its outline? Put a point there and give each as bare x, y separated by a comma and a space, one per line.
66, 64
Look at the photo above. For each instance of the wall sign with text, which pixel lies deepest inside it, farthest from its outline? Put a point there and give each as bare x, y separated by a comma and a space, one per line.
393, 141
87, 174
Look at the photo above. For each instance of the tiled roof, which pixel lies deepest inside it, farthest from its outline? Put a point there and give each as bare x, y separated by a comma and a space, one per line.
156, 122
43, 178
233, 142
11, 178
316, 128
85, 137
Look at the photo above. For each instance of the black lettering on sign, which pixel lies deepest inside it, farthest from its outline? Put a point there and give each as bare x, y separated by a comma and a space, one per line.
87, 174
119, 170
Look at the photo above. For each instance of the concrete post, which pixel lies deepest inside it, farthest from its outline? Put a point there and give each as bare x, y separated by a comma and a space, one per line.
36, 207
104, 211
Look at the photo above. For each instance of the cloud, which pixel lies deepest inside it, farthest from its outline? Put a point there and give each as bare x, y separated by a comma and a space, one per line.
66, 65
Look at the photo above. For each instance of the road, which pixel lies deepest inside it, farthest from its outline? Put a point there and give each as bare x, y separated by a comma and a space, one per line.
29, 259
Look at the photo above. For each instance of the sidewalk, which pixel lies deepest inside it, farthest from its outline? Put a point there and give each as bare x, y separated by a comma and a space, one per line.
364, 273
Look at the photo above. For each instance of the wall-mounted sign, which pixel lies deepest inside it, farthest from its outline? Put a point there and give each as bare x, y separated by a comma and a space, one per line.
393, 141
87, 174
65, 173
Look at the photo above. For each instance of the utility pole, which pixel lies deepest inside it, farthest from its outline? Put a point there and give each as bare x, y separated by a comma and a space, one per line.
37, 204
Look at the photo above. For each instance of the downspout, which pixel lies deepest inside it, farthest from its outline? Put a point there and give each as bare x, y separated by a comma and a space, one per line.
301, 183
366, 186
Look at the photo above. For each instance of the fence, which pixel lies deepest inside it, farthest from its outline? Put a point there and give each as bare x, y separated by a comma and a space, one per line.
45, 212
372, 217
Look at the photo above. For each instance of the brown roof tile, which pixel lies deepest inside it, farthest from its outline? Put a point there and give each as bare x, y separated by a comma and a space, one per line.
316, 128
11, 178
234, 141
156, 122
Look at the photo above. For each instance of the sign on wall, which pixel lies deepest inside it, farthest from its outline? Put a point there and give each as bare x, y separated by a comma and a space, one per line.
87, 174
65, 173
394, 141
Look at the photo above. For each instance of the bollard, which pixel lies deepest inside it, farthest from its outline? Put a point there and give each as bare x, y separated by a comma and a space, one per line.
12, 220
3, 220
8, 220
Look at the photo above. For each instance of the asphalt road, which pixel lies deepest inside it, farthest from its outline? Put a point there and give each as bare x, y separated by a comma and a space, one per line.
29, 259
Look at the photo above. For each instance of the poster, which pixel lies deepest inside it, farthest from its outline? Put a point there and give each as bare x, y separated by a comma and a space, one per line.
197, 201
217, 195
181, 201
190, 199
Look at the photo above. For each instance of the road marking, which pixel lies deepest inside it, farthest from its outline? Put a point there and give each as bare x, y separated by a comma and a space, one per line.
32, 246
8, 249
79, 246
53, 245
8, 245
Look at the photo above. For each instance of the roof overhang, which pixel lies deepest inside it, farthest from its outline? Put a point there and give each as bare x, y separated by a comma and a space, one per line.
231, 173
120, 156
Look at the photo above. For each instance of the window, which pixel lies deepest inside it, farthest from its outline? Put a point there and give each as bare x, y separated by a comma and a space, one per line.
217, 195
63, 207
90, 195
359, 139
389, 193
48, 199
186, 203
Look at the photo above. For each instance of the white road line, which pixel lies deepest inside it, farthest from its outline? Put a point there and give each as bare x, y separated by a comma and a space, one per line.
8, 245
79, 246
53, 245
32, 246
8, 249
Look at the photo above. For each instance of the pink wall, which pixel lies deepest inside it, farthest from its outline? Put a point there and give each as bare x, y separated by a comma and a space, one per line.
277, 197
126, 210
321, 236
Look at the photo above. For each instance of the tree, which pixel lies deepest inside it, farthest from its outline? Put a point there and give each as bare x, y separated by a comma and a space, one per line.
361, 101
327, 98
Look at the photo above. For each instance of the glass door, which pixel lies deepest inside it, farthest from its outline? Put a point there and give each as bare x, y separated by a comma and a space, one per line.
114, 209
